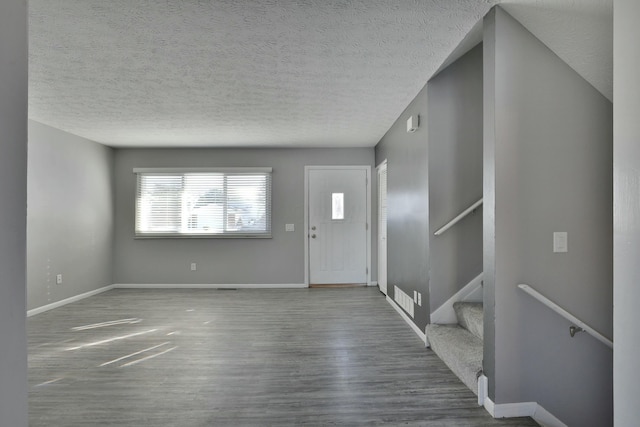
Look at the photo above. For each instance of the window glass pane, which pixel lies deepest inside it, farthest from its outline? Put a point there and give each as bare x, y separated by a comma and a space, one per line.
224, 204
204, 201
246, 202
337, 205
157, 201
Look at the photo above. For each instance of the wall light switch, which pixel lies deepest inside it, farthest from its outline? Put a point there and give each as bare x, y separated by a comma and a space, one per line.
193, 266
420, 299
289, 227
560, 241
415, 297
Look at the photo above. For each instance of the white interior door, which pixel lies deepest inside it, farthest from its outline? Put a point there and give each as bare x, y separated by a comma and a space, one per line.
337, 224
382, 227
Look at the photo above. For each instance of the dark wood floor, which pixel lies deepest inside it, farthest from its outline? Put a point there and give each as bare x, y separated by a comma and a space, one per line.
317, 357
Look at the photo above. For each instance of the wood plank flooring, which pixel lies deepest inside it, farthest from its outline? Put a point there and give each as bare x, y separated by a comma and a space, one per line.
312, 357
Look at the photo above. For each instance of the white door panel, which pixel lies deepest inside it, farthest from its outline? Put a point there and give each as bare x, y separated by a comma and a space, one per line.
337, 226
382, 228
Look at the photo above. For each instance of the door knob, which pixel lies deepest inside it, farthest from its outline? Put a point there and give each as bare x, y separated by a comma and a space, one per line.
313, 228
313, 236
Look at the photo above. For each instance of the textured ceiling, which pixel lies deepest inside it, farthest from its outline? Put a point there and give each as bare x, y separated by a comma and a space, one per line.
304, 73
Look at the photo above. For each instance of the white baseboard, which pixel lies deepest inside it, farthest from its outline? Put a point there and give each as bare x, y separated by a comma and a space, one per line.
483, 389
373, 283
406, 318
209, 286
510, 410
489, 406
66, 301
445, 313
520, 409
546, 419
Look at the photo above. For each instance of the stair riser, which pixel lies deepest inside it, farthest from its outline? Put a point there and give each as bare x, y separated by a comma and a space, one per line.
471, 317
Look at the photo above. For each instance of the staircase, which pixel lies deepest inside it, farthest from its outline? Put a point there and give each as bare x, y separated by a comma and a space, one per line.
460, 345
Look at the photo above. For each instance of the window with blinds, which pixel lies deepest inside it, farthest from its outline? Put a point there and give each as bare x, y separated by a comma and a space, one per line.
229, 202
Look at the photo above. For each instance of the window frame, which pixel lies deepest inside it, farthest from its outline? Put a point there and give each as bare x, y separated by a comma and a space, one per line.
227, 171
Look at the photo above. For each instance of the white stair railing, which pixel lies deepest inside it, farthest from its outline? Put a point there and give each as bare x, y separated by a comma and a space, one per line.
458, 218
580, 326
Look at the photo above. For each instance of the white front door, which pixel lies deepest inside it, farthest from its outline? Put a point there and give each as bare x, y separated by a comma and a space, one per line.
382, 227
337, 222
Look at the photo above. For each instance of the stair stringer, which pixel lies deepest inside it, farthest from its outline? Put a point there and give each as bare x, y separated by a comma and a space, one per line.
472, 291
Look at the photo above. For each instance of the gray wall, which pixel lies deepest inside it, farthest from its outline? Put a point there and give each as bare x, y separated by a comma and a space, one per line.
13, 193
626, 214
408, 205
70, 216
279, 260
455, 175
548, 167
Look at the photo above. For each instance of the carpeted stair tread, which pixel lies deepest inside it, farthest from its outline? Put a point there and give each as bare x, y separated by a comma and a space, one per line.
470, 317
460, 350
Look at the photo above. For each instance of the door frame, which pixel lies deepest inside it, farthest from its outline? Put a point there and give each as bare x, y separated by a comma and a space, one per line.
367, 169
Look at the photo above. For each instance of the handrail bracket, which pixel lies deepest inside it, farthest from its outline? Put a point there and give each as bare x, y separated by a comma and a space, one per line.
573, 330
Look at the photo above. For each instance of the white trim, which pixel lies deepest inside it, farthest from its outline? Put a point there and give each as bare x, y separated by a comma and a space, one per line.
510, 410
307, 168
201, 170
209, 286
521, 409
546, 419
66, 301
483, 389
373, 283
406, 318
489, 406
306, 225
445, 313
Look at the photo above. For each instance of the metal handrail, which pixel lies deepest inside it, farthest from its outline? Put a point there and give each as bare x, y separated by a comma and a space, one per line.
580, 326
455, 220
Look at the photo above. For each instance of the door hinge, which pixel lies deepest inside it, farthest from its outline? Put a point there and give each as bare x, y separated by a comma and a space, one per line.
367, 269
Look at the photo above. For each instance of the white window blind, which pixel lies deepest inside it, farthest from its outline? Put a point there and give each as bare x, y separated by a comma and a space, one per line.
230, 202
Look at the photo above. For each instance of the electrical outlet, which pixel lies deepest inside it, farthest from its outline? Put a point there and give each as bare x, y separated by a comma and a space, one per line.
415, 297
59, 279
193, 266
420, 299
